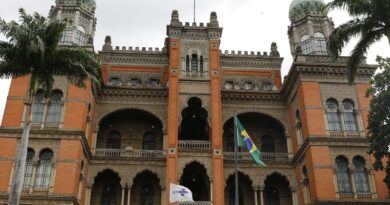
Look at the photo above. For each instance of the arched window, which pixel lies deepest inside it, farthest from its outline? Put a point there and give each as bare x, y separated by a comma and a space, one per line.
43, 176
54, 108
320, 44
187, 63
332, 113
298, 126
306, 45
66, 37
149, 141
109, 195
29, 167
350, 123
114, 140
361, 179
194, 63
147, 195
80, 38
342, 175
267, 144
201, 64
306, 185
38, 107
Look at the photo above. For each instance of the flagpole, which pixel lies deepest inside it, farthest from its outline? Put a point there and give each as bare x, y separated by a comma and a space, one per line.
236, 195
194, 10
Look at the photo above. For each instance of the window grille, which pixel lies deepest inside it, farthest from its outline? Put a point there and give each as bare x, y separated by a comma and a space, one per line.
361, 179
114, 141
29, 168
54, 108
66, 37
43, 175
342, 175
194, 63
350, 122
334, 122
320, 43
149, 142
306, 45
38, 107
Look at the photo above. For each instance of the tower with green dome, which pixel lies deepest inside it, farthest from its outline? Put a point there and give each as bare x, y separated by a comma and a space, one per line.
310, 27
81, 17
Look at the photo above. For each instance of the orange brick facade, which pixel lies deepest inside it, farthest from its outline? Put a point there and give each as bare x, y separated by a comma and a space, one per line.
165, 116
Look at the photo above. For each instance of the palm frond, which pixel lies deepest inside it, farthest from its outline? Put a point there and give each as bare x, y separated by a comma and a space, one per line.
355, 8
342, 34
366, 40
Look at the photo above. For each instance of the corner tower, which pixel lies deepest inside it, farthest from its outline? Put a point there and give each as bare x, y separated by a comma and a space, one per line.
310, 27
80, 15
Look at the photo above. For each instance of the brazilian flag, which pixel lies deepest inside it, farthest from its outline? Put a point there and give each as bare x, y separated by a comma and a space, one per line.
243, 140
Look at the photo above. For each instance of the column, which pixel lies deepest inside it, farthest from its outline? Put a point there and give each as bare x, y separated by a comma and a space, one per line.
255, 195
211, 190
353, 184
371, 182
129, 196
34, 173
162, 196
261, 188
123, 195
289, 147
294, 196
88, 195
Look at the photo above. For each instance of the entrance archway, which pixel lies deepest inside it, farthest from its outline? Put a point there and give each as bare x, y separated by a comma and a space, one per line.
277, 190
195, 178
245, 190
194, 124
106, 189
146, 189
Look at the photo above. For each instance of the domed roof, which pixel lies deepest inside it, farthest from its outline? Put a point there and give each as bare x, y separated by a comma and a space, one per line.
299, 8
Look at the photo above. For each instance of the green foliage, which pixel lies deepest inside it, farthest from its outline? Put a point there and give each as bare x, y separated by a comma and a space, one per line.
371, 20
379, 118
32, 49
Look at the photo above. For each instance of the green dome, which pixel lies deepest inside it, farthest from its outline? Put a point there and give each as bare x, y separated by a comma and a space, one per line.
298, 8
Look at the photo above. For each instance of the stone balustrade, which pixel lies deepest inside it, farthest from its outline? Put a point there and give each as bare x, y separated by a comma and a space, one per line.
130, 153
187, 145
196, 203
265, 156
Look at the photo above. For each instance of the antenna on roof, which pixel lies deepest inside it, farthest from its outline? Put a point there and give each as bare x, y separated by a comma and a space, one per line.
194, 10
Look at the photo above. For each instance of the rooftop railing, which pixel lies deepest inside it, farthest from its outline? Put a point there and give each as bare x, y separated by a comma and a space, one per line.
130, 153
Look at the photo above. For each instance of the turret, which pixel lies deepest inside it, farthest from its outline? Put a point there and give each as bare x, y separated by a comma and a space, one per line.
310, 27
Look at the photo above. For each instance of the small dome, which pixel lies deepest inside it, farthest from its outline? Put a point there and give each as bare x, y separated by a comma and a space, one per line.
299, 8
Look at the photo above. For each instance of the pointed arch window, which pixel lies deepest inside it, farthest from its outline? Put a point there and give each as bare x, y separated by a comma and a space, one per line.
109, 195
114, 140
45, 167
350, 122
147, 195
187, 63
342, 175
201, 64
149, 141
194, 63
298, 127
333, 116
38, 107
360, 176
306, 45
320, 44
54, 108
29, 167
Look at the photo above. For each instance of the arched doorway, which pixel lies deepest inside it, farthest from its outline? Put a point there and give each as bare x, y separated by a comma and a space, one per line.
130, 129
196, 179
146, 189
194, 124
266, 132
245, 190
106, 189
277, 190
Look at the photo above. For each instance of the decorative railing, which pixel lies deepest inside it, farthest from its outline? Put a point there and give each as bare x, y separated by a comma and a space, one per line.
196, 203
194, 145
347, 134
265, 156
364, 196
136, 154
347, 196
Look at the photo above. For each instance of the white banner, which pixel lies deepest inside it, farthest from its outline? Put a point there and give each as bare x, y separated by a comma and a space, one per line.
178, 193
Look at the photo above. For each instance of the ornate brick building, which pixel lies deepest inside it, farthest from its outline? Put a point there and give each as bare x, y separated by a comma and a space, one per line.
166, 115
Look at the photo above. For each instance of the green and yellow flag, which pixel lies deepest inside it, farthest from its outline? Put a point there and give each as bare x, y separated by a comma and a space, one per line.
243, 140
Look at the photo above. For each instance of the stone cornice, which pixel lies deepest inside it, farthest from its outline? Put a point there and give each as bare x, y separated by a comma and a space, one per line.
46, 197
250, 61
329, 142
194, 32
150, 58
148, 93
259, 97
321, 69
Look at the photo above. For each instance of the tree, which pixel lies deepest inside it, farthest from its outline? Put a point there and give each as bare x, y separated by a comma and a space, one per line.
371, 19
32, 50
379, 118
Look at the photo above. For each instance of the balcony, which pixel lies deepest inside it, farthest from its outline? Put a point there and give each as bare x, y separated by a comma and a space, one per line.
130, 154
196, 203
194, 145
265, 156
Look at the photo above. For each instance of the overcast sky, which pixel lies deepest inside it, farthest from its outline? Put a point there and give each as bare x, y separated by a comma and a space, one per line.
247, 24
